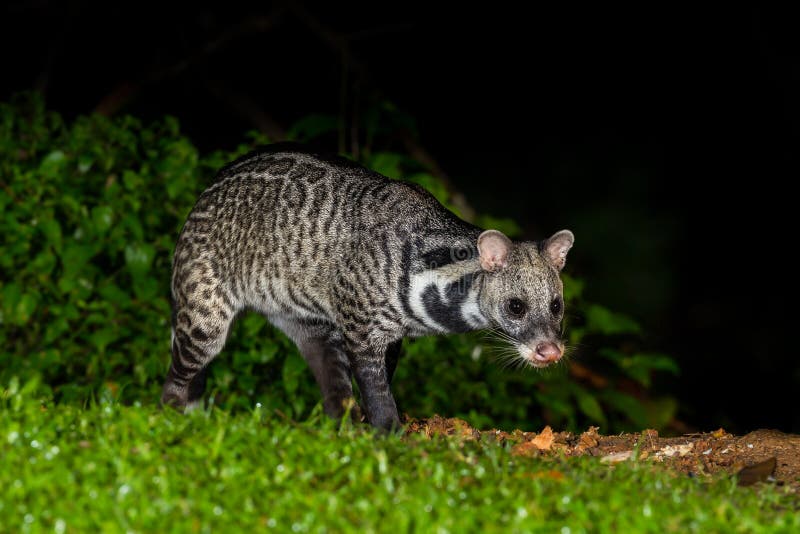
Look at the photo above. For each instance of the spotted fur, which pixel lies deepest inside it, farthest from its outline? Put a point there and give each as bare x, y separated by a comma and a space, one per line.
347, 263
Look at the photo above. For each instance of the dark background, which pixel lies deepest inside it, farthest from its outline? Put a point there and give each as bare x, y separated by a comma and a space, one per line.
666, 140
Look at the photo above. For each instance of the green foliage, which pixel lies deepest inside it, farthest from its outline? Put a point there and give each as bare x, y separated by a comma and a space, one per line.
90, 214
114, 468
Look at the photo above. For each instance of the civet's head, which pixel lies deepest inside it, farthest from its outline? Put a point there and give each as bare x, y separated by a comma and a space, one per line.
522, 293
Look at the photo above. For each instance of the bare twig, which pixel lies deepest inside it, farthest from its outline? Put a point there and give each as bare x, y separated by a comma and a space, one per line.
127, 90
419, 153
339, 44
587, 375
248, 109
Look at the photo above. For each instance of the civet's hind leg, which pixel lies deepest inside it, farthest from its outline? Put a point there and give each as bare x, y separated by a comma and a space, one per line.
201, 320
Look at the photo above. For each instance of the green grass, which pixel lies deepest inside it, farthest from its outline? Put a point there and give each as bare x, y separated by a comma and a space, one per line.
115, 468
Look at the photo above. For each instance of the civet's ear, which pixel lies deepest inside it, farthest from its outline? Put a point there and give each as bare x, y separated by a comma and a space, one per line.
555, 249
493, 249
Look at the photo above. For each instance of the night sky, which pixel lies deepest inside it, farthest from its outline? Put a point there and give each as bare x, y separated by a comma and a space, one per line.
666, 140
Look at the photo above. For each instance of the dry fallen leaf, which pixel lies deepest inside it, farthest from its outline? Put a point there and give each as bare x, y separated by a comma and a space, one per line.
525, 449
755, 473
544, 440
464, 430
588, 439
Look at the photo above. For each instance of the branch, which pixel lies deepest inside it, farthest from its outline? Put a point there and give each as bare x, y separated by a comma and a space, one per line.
126, 91
419, 153
248, 109
340, 45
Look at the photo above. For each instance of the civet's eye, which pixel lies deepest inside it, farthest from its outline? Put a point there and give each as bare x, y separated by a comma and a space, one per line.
555, 306
515, 307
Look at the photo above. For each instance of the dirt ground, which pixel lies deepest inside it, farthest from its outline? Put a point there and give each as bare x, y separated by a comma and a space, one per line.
762, 456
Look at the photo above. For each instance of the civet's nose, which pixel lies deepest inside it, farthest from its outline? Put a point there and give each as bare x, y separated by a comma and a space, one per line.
547, 352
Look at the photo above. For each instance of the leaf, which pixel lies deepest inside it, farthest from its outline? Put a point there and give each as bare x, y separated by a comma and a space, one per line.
387, 164
267, 353
55, 329
12, 293
43, 263
175, 188
114, 294
134, 225
527, 449
433, 185
719, 433
661, 411
252, 324
588, 439
54, 156
573, 287
627, 405
85, 162
602, 320
5, 199
589, 405
26, 307
658, 362
293, 368
257, 138
75, 256
102, 218
145, 288
139, 258
100, 339
508, 226
312, 126
755, 473
52, 232
76, 271
52, 163
544, 439
641, 366
131, 180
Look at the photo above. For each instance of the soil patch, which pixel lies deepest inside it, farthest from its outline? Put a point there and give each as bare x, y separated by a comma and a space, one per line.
760, 456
